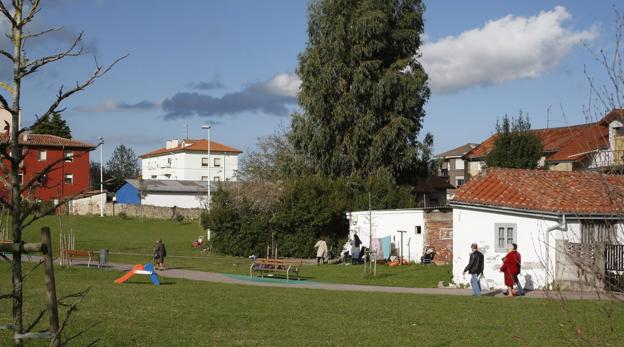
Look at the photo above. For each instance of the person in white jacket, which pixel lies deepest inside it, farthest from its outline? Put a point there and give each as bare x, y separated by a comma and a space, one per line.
321, 251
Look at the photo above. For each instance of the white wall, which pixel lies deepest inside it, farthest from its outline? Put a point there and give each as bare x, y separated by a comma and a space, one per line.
386, 223
188, 166
472, 226
174, 199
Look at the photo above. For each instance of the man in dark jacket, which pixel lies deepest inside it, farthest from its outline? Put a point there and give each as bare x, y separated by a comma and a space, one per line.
475, 269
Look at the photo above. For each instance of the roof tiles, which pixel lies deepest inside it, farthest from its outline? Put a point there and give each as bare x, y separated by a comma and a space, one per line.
578, 192
193, 146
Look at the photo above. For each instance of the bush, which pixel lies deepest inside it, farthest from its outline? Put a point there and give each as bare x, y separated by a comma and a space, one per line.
123, 215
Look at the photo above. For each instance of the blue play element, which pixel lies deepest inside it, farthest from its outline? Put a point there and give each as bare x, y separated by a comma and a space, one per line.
149, 267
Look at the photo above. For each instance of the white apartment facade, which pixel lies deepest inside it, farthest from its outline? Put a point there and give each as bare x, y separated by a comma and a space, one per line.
187, 160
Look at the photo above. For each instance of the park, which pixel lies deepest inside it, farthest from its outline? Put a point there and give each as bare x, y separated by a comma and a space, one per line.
311, 172
195, 313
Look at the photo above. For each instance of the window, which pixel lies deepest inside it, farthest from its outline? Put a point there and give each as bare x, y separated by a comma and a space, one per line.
418, 230
43, 155
154, 177
505, 234
444, 172
446, 233
459, 181
459, 164
20, 178
205, 162
217, 162
204, 178
69, 178
598, 231
69, 157
217, 179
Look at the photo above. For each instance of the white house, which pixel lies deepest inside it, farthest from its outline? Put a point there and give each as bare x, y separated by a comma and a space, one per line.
188, 160
421, 226
537, 210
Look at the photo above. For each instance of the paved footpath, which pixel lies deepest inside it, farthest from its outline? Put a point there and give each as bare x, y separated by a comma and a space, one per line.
247, 281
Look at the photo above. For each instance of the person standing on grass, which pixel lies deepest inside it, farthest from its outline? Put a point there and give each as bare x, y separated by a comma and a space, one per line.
511, 268
321, 251
475, 269
160, 252
355, 249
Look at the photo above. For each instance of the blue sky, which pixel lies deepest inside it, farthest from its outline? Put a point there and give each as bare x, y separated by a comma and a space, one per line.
231, 63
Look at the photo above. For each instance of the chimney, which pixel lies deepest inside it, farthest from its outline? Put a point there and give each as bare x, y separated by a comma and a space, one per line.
171, 144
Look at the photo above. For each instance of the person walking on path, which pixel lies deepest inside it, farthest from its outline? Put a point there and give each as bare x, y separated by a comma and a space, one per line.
160, 252
321, 251
475, 269
510, 268
516, 279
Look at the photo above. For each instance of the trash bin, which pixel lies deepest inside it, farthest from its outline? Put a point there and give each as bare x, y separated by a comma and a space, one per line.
103, 257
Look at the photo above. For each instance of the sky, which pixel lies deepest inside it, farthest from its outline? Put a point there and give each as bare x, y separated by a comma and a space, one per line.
231, 64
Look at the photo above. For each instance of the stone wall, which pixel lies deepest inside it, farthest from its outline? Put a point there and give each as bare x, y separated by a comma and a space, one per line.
579, 266
439, 227
91, 206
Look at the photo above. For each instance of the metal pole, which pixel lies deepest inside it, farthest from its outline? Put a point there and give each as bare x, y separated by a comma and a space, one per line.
208, 202
102, 201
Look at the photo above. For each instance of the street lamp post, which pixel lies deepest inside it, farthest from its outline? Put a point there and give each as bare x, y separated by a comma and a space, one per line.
102, 201
208, 127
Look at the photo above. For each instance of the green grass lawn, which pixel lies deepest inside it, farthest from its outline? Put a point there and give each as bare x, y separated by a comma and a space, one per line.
137, 236
187, 313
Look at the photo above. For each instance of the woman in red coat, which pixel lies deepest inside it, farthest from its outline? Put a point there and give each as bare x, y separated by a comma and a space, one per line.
510, 268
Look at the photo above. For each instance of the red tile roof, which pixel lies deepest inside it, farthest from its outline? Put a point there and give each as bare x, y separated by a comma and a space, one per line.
41, 140
577, 192
571, 143
193, 146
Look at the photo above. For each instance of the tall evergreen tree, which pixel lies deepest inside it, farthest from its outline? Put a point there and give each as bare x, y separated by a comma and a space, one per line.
53, 125
123, 164
363, 89
515, 145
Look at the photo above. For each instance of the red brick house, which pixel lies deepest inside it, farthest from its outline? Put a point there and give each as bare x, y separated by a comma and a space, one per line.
66, 178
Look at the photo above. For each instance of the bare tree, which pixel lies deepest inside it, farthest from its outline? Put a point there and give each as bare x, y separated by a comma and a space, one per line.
20, 14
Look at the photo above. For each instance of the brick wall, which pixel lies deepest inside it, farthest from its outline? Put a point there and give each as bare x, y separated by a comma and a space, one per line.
439, 234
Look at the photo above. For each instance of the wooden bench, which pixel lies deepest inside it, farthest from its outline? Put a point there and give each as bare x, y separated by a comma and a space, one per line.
264, 265
73, 253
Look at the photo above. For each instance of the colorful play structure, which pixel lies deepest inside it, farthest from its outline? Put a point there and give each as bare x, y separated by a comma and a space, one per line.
138, 269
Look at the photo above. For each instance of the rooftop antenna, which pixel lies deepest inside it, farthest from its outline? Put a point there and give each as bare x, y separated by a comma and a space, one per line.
187, 131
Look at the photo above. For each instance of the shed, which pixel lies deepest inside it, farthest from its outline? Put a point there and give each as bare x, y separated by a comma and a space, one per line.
164, 193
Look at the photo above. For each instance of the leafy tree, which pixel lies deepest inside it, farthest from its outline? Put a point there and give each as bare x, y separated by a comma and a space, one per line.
515, 145
363, 89
123, 164
53, 125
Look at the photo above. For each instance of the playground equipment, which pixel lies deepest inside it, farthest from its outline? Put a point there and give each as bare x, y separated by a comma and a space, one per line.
138, 269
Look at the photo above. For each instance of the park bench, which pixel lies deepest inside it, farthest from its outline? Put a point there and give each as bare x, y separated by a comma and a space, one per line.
274, 266
70, 254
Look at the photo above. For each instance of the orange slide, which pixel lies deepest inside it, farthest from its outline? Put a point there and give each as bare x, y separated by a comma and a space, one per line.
129, 275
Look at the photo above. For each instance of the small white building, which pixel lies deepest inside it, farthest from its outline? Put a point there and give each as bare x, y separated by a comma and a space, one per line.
421, 226
187, 160
164, 193
537, 210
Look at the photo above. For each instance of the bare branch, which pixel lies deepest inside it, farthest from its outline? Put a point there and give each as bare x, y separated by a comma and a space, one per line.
6, 296
38, 63
34, 9
7, 55
32, 269
7, 14
41, 33
72, 307
37, 320
99, 72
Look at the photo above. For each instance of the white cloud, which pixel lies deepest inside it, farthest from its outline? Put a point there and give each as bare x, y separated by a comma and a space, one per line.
502, 50
285, 84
